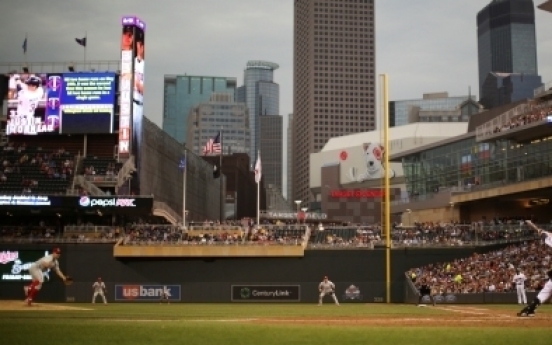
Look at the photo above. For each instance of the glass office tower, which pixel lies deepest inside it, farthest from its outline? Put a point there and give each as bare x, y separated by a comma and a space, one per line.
506, 38
182, 93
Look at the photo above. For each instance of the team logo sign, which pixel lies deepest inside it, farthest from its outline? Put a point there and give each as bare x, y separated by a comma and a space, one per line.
352, 293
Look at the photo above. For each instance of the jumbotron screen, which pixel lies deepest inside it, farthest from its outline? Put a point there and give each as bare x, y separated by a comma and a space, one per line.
64, 103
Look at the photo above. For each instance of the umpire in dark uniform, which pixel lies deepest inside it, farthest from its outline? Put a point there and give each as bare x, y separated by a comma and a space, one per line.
425, 290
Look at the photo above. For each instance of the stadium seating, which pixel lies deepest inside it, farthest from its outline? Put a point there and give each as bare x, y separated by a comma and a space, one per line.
101, 166
27, 170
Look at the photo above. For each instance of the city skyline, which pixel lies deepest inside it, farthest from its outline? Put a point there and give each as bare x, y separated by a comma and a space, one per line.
408, 31
417, 57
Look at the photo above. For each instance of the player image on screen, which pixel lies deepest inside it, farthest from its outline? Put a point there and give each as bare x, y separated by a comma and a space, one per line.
18, 82
29, 96
127, 39
138, 88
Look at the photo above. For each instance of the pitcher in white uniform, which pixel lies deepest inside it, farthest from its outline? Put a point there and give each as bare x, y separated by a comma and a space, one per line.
326, 287
519, 280
99, 289
542, 297
36, 270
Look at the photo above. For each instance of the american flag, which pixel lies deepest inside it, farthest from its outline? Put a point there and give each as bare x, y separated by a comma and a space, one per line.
213, 145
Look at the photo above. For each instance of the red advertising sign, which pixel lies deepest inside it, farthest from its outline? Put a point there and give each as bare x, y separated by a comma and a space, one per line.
357, 193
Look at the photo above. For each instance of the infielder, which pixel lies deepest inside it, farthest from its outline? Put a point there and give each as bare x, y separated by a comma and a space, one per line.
326, 287
99, 289
519, 279
541, 298
165, 295
36, 269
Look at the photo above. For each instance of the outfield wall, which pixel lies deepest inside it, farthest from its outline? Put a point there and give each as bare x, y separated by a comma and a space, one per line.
217, 279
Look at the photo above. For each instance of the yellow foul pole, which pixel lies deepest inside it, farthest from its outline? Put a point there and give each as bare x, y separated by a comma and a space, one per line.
387, 195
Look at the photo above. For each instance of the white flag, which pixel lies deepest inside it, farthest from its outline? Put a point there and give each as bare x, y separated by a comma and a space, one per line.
258, 172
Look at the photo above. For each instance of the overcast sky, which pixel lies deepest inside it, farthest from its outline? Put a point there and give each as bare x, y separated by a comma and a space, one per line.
424, 45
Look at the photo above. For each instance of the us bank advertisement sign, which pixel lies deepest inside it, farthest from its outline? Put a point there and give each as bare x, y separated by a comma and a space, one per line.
141, 293
15, 264
265, 293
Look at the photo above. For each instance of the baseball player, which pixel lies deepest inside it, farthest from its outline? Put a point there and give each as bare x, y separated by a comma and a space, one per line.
29, 96
99, 289
326, 287
36, 270
165, 295
541, 298
519, 280
425, 290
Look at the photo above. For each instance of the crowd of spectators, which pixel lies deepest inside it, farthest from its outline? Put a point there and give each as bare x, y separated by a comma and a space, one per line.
490, 272
56, 164
535, 114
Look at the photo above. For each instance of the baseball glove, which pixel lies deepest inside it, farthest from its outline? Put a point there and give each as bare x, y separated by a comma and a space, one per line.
68, 280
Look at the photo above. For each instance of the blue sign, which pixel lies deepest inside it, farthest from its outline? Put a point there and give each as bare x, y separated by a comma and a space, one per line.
133, 292
87, 102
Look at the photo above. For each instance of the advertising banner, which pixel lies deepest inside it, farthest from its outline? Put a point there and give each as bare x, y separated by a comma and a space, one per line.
113, 202
266, 293
15, 264
29, 200
141, 293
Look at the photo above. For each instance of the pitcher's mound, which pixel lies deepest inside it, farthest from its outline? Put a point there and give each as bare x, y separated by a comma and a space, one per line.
21, 305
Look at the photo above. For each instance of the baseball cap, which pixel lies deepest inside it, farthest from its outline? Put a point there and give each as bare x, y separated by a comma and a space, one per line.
33, 81
99, 278
325, 277
57, 251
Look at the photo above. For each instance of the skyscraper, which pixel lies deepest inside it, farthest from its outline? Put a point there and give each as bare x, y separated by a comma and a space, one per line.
220, 112
271, 144
334, 78
261, 95
506, 38
182, 92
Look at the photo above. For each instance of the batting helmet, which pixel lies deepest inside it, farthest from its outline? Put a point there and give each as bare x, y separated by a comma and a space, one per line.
36, 81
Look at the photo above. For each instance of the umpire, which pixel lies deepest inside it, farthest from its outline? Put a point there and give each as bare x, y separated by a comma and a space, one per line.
425, 290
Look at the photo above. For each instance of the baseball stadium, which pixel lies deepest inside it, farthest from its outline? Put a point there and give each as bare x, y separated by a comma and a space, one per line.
112, 231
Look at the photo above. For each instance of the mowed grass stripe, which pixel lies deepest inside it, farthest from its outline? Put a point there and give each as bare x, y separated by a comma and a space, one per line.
90, 333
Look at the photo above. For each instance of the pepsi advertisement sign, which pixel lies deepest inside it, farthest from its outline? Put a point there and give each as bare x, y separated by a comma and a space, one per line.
141, 293
115, 202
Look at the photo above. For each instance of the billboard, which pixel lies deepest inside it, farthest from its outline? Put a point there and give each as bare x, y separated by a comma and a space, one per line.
134, 293
132, 87
69, 103
86, 102
15, 264
265, 293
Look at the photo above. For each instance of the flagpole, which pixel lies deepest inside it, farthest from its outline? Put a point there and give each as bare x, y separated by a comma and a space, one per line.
222, 212
26, 48
258, 191
184, 189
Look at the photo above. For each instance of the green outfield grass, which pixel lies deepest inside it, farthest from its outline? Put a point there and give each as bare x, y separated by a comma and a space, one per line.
136, 324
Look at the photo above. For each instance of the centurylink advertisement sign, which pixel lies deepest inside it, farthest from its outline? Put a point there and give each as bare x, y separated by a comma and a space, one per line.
265, 293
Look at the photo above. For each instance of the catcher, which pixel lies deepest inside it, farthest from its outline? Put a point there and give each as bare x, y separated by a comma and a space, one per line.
326, 287
36, 270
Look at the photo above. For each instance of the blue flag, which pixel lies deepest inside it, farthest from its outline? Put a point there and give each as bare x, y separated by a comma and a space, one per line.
182, 163
24, 46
